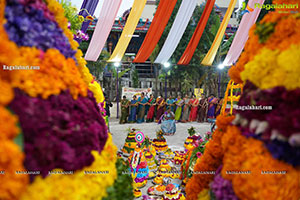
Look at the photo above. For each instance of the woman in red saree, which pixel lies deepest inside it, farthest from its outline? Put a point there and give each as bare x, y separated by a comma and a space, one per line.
151, 111
194, 102
160, 102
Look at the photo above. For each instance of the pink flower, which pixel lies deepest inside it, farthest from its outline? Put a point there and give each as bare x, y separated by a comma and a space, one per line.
199, 154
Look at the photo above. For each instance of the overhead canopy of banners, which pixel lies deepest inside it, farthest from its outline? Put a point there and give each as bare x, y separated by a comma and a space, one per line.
105, 22
242, 34
210, 56
191, 47
156, 29
181, 21
132, 21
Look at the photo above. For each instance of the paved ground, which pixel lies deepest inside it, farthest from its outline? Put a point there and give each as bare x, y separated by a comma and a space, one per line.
175, 142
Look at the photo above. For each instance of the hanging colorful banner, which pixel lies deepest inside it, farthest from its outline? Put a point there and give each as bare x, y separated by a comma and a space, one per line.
105, 22
156, 29
88, 7
132, 21
181, 21
249, 18
191, 47
129, 92
210, 56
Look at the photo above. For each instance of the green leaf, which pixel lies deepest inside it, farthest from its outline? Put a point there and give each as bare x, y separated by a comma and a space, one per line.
123, 72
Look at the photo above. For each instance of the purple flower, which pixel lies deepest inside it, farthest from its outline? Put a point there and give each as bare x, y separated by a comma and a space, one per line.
222, 188
28, 24
59, 132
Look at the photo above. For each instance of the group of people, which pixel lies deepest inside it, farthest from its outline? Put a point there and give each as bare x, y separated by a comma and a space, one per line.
183, 110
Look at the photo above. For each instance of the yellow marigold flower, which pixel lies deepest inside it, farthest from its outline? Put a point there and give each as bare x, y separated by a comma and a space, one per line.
204, 195
274, 68
97, 91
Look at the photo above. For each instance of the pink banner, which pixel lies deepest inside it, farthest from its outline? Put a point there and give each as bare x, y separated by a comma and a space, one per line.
242, 34
105, 22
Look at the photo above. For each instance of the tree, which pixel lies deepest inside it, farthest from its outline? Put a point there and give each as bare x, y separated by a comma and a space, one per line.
189, 76
135, 78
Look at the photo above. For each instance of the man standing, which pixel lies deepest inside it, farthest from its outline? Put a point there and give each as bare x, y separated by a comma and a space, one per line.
124, 110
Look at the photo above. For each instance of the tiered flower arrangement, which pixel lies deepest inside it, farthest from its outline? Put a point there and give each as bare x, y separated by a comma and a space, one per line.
55, 105
261, 146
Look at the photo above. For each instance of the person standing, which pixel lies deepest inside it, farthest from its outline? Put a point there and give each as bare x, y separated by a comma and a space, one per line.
202, 109
170, 102
179, 103
160, 102
219, 107
124, 110
142, 107
194, 107
212, 101
151, 103
186, 109
108, 105
133, 109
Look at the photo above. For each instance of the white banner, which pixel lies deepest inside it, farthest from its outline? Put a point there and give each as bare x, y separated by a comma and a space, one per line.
181, 21
129, 92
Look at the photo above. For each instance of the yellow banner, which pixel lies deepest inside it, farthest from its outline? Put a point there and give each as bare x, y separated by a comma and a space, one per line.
210, 56
132, 21
198, 92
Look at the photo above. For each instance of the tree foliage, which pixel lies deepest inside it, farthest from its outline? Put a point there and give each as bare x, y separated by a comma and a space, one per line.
71, 13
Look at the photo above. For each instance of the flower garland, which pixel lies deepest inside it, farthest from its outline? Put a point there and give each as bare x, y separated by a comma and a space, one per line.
284, 33
209, 161
249, 154
79, 184
59, 132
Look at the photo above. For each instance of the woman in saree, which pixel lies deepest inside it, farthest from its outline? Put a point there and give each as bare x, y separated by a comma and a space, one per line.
179, 104
186, 109
212, 101
168, 125
219, 107
160, 102
142, 101
133, 108
202, 109
194, 107
170, 103
124, 110
150, 114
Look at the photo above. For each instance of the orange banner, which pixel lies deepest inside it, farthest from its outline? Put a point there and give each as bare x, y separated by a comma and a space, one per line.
191, 47
157, 27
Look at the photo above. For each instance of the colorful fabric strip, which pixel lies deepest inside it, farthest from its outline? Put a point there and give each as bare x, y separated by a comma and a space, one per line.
181, 21
132, 21
159, 22
105, 22
242, 34
191, 47
210, 56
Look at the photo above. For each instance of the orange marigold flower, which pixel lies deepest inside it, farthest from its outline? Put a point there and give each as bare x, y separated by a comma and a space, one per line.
8, 122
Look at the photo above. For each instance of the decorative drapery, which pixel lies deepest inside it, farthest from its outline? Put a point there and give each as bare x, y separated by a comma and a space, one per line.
105, 22
242, 33
210, 56
156, 29
90, 6
181, 21
132, 21
191, 47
